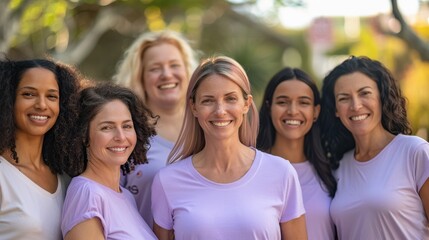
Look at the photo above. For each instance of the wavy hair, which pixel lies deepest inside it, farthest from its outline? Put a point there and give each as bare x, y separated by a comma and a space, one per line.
130, 69
313, 149
91, 101
336, 138
191, 139
55, 149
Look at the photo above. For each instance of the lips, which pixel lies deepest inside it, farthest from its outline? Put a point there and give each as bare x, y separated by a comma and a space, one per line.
117, 149
359, 117
293, 122
39, 117
221, 123
168, 86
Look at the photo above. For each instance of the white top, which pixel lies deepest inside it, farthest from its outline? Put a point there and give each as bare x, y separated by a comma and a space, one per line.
316, 202
379, 199
28, 211
250, 208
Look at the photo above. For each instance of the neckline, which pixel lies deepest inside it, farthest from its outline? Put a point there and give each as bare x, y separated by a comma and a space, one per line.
30, 182
373, 159
244, 179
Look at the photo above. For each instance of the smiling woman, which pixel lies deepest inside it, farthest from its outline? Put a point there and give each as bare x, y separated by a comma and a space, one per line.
112, 131
36, 102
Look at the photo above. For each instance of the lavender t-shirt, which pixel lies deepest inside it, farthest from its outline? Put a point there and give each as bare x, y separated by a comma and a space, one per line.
316, 202
379, 199
250, 208
86, 199
139, 181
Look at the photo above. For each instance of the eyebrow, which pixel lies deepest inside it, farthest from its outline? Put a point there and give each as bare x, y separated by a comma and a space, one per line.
35, 89
112, 122
300, 97
359, 90
227, 94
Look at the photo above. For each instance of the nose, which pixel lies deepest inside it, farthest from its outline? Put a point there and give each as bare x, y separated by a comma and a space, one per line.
166, 72
220, 108
41, 103
292, 109
356, 104
119, 135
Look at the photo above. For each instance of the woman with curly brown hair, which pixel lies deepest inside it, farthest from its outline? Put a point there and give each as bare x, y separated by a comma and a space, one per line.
37, 109
382, 174
112, 131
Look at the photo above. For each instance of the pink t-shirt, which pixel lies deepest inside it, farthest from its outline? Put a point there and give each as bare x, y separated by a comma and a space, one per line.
250, 208
139, 181
316, 202
379, 199
86, 199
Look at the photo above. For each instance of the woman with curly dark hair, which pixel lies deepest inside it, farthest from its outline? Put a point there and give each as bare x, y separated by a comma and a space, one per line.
113, 131
289, 128
37, 108
382, 173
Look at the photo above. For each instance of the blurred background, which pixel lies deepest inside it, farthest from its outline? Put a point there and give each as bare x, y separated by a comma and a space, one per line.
263, 35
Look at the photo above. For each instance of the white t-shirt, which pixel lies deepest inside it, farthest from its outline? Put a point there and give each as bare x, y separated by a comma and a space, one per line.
379, 199
316, 202
28, 211
250, 208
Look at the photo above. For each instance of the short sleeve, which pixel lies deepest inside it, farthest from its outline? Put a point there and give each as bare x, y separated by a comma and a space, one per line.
294, 204
421, 159
161, 210
81, 203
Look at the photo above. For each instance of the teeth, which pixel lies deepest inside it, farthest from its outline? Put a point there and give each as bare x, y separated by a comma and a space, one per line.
38, 117
168, 86
293, 122
221, 124
359, 118
117, 149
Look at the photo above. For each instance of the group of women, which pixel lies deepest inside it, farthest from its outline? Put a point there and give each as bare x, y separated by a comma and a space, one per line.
173, 150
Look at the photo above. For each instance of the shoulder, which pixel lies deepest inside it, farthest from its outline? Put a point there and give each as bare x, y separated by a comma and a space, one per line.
176, 169
81, 187
410, 142
275, 164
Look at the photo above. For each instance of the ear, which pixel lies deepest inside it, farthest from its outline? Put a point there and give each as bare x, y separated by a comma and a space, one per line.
336, 113
193, 108
247, 103
316, 112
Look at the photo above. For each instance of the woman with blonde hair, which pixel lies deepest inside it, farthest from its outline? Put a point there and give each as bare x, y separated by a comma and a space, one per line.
157, 67
218, 185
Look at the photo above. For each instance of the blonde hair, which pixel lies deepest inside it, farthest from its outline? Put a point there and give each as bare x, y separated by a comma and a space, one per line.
191, 139
130, 68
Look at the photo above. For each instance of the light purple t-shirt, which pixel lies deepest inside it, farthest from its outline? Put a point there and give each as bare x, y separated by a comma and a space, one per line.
316, 202
379, 199
86, 199
250, 208
139, 181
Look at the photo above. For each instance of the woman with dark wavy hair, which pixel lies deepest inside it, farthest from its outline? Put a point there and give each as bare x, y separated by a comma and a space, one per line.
382, 173
112, 132
289, 129
36, 105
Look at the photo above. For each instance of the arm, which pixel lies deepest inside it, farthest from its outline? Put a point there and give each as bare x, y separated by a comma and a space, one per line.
424, 195
89, 229
294, 229
162, 233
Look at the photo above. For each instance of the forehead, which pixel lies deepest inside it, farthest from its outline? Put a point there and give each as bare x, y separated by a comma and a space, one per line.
353, 82
293, 88
162, 52
37, 78
217, 84
113, 111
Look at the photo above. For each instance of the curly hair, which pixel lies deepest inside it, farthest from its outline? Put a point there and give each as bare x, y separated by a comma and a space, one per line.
91, 101
336, 138
55, 149
130, 68
313, 149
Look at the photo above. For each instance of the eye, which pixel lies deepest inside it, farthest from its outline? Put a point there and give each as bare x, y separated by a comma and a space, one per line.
231, 99
305, 103
175, 65
154, 69
281, 102
365, 93
206, 101
53, 97
128, 126
106, 128
28, 94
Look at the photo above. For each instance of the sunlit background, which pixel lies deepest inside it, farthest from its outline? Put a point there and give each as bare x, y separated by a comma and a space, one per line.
263, 35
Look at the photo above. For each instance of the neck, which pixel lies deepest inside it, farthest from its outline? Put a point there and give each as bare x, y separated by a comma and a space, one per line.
292, 150
170, 122
104, 175
28, 149
368, 146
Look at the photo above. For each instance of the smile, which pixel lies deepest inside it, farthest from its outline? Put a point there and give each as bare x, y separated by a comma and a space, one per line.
168, 86
221, 123
38, 117
359, 117
293, 122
